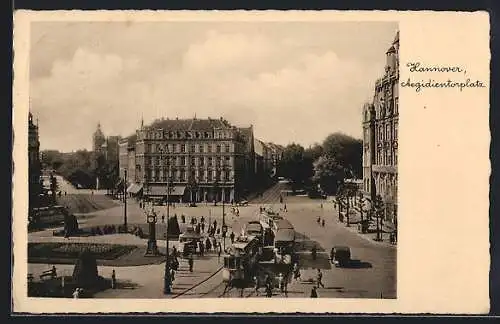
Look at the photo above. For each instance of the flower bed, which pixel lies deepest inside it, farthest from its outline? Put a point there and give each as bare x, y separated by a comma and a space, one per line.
73, 250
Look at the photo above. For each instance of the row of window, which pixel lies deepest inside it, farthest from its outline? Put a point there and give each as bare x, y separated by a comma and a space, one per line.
182, 176
193, 148
387, 188
387, 156
193, 161
386, 132
160, 134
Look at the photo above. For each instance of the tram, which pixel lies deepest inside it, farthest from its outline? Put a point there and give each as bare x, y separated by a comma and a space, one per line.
241, 262
254, 228
284, 242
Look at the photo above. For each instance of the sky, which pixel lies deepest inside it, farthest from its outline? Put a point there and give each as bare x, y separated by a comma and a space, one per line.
293, 81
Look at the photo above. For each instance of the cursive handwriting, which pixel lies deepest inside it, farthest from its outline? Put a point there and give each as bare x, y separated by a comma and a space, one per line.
415, 67
452, 81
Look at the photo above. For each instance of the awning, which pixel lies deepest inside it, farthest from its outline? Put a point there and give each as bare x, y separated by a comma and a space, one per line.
134, 188
162, 191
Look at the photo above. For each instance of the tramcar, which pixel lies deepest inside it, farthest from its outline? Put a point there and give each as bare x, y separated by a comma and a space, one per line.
254, 228
284, 242
241, 262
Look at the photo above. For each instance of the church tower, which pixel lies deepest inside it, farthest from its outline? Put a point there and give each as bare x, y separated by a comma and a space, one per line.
98, 140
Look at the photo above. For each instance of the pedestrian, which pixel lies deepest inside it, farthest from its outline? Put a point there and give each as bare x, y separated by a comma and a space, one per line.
215, 223
285, 285
65, 193
296, 271
203, 227
256, 282
284, 209
314, 293
53, 272
321, 205
163, 218
280, 282
219, 251
313, 252
232, 237
319, 278
113, 279
323, 223
202, 248
76, 293
208, 244
318, 220
269, 291
172, 275
191, 263
332, 255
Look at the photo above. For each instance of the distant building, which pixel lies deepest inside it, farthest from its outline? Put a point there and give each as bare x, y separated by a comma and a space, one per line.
34, 165
209, 159
267, 157
106, 149
380, 136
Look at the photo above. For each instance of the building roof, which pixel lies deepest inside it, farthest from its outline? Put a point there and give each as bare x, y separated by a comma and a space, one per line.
190, 124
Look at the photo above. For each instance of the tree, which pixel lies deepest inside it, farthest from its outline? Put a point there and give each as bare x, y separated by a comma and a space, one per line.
294, 165
347, 192
378, 208
328, 173
347, 151
173, 226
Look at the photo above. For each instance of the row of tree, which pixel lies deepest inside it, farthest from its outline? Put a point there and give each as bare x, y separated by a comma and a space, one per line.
325, 165
82, 167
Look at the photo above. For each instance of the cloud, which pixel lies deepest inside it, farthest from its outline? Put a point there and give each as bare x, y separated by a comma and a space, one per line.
287, 92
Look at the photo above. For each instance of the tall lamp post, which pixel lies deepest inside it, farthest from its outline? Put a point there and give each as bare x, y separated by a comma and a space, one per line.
167, 284
224, 226
125, 202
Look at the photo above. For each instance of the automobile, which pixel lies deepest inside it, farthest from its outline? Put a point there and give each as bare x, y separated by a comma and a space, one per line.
341, 255
243, 203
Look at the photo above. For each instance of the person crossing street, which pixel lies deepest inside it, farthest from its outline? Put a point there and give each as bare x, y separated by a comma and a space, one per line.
319, 278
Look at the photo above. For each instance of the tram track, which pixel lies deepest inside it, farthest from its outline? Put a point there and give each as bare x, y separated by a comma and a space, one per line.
200, 283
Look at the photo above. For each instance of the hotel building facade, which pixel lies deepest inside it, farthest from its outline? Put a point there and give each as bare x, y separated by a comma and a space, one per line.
203, 160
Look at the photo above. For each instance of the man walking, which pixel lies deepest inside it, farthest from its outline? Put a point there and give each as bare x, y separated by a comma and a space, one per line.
319, 279
191, 263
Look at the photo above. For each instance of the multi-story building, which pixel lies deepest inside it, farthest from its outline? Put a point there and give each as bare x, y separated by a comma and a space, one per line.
275, 155
209, 159
34, 165
380, 136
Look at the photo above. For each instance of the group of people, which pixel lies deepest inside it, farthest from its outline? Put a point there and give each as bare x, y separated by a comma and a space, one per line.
269, 286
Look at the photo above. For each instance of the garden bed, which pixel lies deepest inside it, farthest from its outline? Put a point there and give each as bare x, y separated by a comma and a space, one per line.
73, 250
106, 254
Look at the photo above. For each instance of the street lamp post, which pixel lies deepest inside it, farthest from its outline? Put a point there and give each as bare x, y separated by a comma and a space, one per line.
167, 287
125, 202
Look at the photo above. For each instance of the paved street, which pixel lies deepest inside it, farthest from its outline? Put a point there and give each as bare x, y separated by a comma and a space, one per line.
372, 276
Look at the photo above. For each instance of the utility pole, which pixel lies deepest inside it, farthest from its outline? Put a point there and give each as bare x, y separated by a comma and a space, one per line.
167, 289
125, 202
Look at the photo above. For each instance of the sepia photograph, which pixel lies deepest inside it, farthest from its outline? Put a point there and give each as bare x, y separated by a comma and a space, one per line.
213, 159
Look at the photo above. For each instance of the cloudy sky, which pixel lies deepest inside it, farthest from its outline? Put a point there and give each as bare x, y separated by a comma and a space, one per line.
294, 81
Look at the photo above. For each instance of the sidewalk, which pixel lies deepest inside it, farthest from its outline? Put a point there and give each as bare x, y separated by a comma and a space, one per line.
354, 221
